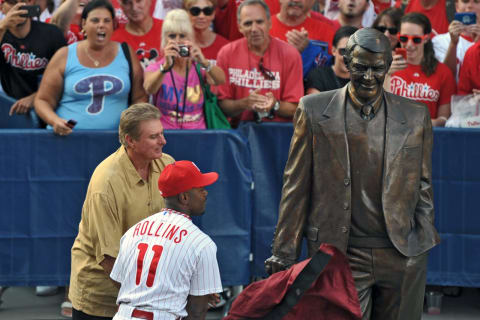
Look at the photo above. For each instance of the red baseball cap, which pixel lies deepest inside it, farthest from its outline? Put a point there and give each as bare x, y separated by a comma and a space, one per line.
182, 176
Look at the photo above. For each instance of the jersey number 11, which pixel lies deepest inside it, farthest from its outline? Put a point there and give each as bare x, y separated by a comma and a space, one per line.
157, 253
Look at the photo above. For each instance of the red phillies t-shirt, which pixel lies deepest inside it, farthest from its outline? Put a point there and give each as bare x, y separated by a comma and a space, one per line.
317, 30
74, 33
469, 78
212, 50
146, 47
434, 91
225, 22
121, 17
380, 6
241, 68
437, 15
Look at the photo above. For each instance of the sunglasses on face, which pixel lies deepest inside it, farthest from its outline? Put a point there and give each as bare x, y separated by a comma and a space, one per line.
266, 73
403, 38
195, 11
392, 30
342, 51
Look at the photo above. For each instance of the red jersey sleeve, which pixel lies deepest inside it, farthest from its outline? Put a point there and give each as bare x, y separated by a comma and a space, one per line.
292, 89
449, 86
467, 71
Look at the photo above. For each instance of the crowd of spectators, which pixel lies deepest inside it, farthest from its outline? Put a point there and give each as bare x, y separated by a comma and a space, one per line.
254, 74
260, 56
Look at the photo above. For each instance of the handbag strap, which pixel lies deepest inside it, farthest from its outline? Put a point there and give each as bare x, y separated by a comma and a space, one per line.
302, 283
203, 83
126, 52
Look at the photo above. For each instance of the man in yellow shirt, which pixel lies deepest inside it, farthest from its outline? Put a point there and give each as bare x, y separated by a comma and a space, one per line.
122, 191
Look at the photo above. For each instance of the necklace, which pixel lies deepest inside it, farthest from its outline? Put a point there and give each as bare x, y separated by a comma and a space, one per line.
96, 63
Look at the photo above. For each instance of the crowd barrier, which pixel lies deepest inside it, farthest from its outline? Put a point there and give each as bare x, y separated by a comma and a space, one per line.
43, 179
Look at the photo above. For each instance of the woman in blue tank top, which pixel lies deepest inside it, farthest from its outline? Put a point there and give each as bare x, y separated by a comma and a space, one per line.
89, 81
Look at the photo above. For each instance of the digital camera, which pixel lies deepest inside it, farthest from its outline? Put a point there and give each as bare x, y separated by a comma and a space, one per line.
183, 51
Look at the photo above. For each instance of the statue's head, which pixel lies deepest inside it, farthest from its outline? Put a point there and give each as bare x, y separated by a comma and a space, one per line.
368, 57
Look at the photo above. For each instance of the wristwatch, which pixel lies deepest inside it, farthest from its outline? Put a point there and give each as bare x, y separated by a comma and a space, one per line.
209, 67
276, 106
162, 70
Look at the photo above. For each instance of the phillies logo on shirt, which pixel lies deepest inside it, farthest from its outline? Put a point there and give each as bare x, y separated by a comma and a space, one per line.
98, 87
253, 79
413, 90
23, 60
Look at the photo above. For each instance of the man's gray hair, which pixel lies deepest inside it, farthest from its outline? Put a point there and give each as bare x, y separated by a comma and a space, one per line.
251, 3
132, 117
369, 39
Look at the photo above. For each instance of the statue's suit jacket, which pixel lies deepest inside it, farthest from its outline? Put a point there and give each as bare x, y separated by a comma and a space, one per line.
317, 190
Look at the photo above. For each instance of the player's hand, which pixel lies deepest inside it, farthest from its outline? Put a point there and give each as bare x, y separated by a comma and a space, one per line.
13, 17
213, 299
298, 39
23, 105
275, 264
455, 29
60, 127
398, 63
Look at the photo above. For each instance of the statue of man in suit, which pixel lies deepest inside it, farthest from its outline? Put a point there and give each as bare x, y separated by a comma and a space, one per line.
358, 176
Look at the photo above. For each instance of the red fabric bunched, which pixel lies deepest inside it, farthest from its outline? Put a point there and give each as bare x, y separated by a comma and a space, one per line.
331, 296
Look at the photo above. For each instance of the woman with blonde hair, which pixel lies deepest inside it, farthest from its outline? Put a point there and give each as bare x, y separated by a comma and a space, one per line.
173, 80
202, 14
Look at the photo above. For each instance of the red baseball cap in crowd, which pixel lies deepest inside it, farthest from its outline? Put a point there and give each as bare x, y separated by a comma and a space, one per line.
182, 176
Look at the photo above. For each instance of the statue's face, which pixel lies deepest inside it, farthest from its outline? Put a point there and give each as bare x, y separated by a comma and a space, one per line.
367, 73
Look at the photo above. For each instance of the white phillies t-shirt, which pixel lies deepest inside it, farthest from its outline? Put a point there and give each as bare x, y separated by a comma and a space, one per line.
163, 259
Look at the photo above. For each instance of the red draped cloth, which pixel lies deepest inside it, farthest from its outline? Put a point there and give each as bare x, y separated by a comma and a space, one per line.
331, 296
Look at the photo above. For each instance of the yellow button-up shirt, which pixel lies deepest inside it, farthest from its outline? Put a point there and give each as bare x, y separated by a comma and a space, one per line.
117, 198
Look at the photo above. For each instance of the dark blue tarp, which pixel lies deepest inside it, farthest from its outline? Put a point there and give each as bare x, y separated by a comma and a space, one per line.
43, 179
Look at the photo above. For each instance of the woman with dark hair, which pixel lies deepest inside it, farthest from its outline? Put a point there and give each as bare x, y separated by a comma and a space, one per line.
388, 23
89, 81
421, 76
336, 76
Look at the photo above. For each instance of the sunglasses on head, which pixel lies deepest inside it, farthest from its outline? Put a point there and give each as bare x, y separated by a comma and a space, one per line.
267, 74
403, 38
392, 30
195, 11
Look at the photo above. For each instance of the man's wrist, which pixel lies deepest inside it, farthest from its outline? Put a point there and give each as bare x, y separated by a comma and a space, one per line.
207, 66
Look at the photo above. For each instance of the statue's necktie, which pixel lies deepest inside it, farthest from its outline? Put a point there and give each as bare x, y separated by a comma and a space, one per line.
367, 112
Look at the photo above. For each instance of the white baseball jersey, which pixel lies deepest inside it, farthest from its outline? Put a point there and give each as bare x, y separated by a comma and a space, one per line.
163, 259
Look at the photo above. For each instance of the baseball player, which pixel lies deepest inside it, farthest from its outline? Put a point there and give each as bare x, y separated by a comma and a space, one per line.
167, 267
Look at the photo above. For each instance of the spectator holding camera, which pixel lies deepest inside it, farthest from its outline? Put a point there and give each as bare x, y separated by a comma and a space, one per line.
173, 80
450, 47
26, 48
421, 76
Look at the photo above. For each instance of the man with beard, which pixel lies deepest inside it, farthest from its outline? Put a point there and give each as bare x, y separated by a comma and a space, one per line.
264, 74
351, 12
294, 25
26, 47
358, 177
141, 32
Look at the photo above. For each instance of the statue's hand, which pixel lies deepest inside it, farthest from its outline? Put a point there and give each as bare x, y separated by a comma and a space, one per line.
275, 264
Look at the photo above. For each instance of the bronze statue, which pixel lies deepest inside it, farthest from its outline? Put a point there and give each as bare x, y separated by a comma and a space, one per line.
358, 176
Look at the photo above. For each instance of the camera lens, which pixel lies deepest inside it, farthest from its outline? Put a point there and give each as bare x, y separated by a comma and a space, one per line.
183, 51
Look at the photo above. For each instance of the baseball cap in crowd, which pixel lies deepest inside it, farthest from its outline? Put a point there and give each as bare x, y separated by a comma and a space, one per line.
182, 176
